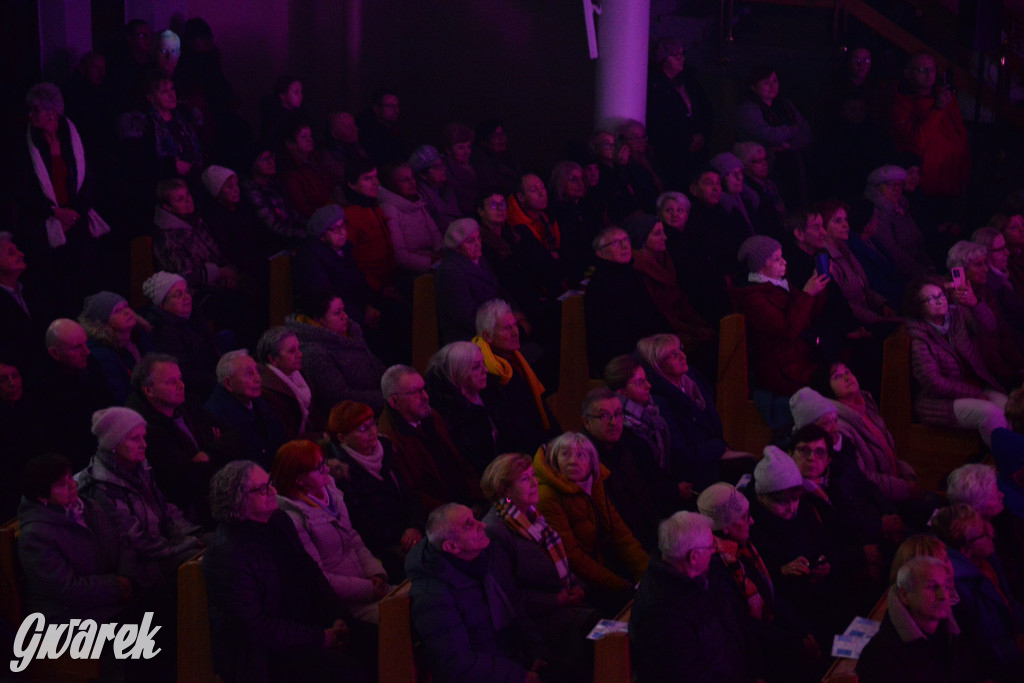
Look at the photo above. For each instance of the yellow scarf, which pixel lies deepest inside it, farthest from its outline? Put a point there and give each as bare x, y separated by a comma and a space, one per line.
503, 370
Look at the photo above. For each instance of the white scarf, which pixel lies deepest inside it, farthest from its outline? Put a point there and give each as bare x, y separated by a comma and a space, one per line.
760, 277
303, 394
371, 463
54, 228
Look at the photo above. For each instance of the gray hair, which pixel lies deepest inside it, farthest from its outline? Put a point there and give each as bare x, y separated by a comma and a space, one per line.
680, 533
142, 375
271, 342
652, 349
392, 376
986, 237
595, 395
45, 97
58, 331
560, 176
226, 364
907, 574
963, 253
489, 313
455, 361
570, 440
438, 528
970, 484
228, 490
597, 243
665, 197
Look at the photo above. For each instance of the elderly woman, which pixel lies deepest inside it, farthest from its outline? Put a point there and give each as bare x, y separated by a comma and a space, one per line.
177, 333
618, 307
601, 549
338, 363
464, 281
307, 183
458, 150
232, 228
974, 484
897, 232
382, 506
317, 509
115, 337
776, 124
649, 239
998, 340
1011, 227
272, 612
781, 361
999, 281
285, 388
868, 306
57, 199
640, 414
414, 234
263, 196
455, 377
988, 613
738, 200
954, 387
769, 207
578, 219
74, 563
120, 482
176, 147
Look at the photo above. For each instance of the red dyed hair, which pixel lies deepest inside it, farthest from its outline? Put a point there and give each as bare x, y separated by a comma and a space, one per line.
294, 459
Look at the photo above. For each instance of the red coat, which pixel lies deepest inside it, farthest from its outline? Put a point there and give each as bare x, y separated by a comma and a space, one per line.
780, 360
938, 136
371, 244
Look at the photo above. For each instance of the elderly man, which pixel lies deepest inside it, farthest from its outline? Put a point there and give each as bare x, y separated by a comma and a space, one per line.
919, 640
684, 624
637, 488
424, 452
179, 434
250, 430
21, 313
897, 232
539, 237
70, 388
513, 391
926, 121
432, 183
465, 605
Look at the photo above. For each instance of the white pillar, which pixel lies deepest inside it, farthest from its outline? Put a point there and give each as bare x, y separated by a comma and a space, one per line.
65, 34
623, 31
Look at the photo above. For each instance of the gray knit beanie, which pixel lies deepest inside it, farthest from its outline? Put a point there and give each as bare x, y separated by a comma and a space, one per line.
726, 162
112, 425
756, 250
99, 306
158, 284
423, 158
808, 406
776, 472
323, 218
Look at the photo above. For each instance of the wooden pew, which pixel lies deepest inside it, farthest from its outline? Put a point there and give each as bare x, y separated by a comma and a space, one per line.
933, 452
611, 654
426, 335
574, 379
742, 424
11, 607
142, 266
195, 652
844, 670
396, 661
282, 297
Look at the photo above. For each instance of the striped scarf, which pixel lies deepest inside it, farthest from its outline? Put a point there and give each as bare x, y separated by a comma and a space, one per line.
538, 530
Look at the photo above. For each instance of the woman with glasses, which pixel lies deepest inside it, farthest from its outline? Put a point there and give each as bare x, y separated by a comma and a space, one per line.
601, 549
381, 504
317, 508
954, 387
988, 613
640, 414
273, 615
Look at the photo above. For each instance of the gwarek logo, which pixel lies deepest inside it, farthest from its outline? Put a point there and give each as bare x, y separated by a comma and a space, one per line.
82, 639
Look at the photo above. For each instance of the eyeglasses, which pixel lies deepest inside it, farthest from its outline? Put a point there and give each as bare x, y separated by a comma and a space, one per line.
620, 242
322, 468
638, 382
934, 298
923, 69
366, 426
411, 392
807, 451
265, 489
605, 416
497, 205
860, 60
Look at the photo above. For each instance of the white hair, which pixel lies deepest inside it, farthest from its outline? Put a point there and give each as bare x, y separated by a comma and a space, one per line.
681, 533
392, 377
488, 315
907, 574
455, 361
226, 364
964, 253
971, 484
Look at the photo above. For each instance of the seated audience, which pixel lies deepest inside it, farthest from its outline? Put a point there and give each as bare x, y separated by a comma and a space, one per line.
285, 387
462, 177
919, 639
1008, 453
74, 563
379, 132
513, 393
115, 333
465, 605
897, 232
249, 429
537, 236
178, 333
338, 363
991, 618
307, 183
233, 228
494, 164
685, 622
953, 386
998, 280
119, 480
639, 171
282, 105
367, 226
463, 282
738, 200
641, 416
171, 131
273, 614
413, 231
382, 505
455, 377
317, 509
22, 312
1011, 227
19, 434
432, 186
578, 220
183, 447
769, 207
424, 451
602, 550
264, 199
874, 258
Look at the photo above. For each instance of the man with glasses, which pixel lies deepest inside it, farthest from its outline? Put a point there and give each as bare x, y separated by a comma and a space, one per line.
684, 624
424, 452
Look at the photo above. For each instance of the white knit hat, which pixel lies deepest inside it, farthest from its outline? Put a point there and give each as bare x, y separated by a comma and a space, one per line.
808, 406
776, 472
158, 284
214, 178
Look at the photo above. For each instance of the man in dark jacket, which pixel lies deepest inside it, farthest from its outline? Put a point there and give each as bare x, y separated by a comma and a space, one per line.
684, 624
465, 605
